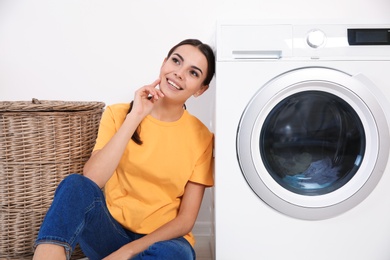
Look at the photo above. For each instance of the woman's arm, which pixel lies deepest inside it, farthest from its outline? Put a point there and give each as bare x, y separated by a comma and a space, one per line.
103, 163
178, 227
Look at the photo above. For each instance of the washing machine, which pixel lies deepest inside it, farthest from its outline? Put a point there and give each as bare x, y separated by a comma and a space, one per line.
302, 141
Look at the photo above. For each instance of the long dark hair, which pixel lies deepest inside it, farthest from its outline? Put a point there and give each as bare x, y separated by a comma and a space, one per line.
207, 52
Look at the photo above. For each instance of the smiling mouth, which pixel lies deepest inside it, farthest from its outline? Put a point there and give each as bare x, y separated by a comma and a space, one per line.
174, 85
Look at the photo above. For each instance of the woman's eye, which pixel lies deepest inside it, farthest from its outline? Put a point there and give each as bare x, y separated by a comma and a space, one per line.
194, 73
175, 60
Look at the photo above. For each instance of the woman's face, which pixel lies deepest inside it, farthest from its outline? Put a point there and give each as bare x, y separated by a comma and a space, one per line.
183, 73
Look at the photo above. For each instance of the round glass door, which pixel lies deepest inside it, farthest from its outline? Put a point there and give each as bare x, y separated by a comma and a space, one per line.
313, 142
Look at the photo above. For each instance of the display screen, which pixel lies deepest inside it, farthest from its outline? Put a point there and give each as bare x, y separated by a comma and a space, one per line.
372, 36
369, 36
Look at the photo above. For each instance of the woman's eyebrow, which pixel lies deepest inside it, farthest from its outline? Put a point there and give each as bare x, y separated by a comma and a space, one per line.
182, 59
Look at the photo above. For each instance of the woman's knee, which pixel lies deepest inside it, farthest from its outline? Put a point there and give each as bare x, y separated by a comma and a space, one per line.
77, 183
73, 178
171, 249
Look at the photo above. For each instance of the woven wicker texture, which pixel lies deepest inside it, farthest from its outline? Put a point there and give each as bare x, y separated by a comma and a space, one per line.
41, 142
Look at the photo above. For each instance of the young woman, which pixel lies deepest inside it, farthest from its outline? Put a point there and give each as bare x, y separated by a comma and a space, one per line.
153, 160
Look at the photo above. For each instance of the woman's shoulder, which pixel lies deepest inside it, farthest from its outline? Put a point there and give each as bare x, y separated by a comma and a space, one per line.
198, 127
119, 106
119, 109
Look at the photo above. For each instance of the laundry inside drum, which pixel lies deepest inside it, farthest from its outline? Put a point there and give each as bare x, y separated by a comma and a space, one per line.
312, 143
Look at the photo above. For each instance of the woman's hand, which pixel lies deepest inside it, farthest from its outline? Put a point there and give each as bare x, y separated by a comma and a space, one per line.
145, 98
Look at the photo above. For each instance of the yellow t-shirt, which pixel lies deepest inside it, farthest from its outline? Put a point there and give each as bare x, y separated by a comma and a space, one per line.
145, 190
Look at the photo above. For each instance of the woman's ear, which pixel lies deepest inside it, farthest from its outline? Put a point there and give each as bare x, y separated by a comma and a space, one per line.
201, 90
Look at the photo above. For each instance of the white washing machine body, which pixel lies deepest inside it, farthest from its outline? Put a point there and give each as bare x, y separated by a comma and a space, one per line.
302, 141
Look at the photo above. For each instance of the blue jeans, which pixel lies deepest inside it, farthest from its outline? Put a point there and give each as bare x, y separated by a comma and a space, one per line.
79, 214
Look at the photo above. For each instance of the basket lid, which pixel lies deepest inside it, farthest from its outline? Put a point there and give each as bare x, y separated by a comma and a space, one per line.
49, 106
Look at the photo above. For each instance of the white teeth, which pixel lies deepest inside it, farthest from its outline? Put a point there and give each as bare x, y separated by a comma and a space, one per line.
174, 85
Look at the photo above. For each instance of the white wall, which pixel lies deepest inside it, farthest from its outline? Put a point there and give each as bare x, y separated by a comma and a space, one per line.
105, 49
90, 50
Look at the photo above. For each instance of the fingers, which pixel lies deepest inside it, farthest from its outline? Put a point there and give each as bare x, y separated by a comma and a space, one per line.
145, 98
155, 83
157, 90
152, 92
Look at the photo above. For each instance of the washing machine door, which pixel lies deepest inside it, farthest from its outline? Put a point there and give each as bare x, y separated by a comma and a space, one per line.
310, 142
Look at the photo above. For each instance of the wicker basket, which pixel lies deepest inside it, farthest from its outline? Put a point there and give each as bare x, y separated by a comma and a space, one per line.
41, 142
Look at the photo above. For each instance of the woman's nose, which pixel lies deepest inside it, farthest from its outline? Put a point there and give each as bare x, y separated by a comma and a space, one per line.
179, 73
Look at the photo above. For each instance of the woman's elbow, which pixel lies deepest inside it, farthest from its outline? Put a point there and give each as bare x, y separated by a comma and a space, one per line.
188, 228
89, 173
187, 225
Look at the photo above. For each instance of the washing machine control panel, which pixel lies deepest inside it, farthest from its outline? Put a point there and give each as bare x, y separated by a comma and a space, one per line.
257, 41
340, 42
